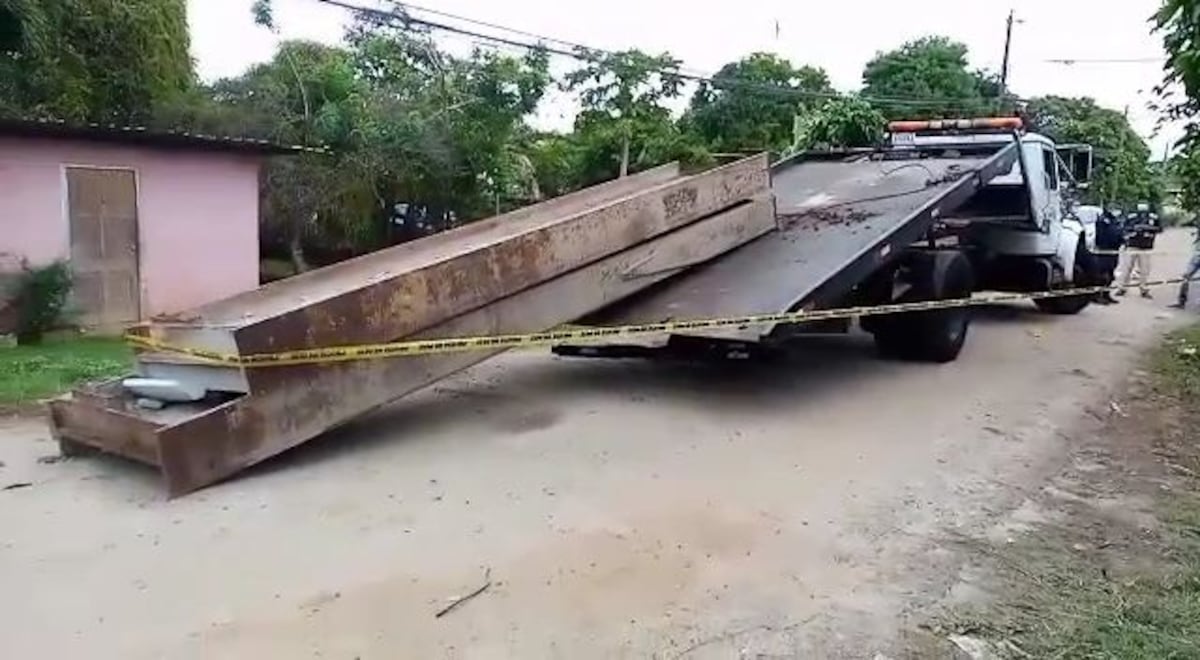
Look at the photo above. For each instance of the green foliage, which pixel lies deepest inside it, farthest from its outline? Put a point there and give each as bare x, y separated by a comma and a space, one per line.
844, 122
1177, 364
556, 160
264, 14
623, 125
1123, 174
1178, 21
93, 60
31, 373
407, 127
933, 68
1185, 171
750, 104
39, 294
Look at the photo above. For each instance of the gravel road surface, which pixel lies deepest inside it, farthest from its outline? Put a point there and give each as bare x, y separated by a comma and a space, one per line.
617, 509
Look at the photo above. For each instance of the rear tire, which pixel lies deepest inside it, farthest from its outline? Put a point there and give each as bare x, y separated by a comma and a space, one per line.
935, 336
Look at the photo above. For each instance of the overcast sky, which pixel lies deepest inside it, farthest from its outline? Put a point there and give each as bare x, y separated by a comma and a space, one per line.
837, 36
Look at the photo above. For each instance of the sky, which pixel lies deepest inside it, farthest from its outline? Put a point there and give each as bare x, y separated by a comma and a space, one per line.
839, 37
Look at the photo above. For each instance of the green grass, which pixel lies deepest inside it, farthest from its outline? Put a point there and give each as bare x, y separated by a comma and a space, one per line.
1178, 363
31, 373
1139, 599
1151, 618
1060, 603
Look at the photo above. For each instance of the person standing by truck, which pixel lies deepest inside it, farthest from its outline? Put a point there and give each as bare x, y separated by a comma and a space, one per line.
1193, 268
1141, 229
1110, 237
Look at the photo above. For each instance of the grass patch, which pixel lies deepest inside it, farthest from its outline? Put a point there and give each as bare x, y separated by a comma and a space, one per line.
1151, 618
31, 373
1091, 584
1177, 364
1059, 602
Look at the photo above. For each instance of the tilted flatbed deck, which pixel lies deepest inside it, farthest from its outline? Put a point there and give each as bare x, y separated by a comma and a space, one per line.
841, 217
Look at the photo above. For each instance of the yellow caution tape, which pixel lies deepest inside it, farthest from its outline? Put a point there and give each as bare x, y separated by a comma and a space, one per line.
593, 334
1136, 251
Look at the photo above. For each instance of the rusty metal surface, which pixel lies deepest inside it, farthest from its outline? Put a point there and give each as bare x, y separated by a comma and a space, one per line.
830, 212
286, 295
386, 305
308, 400
293, 404
90, 423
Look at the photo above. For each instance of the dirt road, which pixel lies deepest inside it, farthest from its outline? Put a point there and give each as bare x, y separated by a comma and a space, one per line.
619, 509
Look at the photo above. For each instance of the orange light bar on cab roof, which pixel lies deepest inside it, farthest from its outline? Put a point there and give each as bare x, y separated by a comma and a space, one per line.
1011, 123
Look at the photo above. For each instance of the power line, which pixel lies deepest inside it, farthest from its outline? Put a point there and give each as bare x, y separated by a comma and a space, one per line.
587, 53
494, 26
1128, 60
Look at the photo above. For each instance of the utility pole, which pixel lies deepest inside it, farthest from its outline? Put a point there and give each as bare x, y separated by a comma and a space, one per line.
1012, 16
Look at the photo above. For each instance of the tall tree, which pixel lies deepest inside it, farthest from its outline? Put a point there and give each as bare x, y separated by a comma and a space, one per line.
928, 78
622, 97
94, 60
1123, 173
308, 94
750, 103
417, 140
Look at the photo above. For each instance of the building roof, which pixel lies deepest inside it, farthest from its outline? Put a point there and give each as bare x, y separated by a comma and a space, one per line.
145, 137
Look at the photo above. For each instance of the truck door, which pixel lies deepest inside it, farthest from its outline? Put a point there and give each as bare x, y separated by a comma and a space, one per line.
1045, 186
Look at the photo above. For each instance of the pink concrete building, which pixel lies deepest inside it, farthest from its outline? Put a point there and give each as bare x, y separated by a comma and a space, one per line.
151, 223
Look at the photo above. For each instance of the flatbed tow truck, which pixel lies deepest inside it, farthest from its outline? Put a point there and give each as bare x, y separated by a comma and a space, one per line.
945, 209
949, 208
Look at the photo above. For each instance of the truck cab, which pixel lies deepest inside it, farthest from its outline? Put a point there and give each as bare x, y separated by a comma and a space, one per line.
1022, 229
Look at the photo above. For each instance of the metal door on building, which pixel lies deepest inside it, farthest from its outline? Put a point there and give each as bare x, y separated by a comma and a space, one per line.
102, 207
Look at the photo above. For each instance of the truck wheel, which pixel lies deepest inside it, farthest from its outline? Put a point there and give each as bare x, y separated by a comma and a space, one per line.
935, 336
1068, 305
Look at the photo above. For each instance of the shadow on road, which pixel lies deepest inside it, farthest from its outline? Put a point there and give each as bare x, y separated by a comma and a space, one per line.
523, 393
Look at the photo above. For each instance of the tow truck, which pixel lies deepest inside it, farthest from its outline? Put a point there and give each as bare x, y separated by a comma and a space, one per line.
947, 208
944, 209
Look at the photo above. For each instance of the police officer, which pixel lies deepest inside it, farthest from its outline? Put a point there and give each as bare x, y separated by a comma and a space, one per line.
1110, 237
1141, 229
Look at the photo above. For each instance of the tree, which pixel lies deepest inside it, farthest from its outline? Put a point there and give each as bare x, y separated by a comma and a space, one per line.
1178, 21
416, 140
843, 122
750, 103
449, 130
557, 161
621, 95
932, 68
1184, 170
92, 60
1123, 173
307, 94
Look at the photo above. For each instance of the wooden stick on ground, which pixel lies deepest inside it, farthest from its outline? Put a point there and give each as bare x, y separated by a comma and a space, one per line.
487, 582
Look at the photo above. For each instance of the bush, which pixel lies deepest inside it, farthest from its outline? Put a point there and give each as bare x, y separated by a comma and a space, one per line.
39, 294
